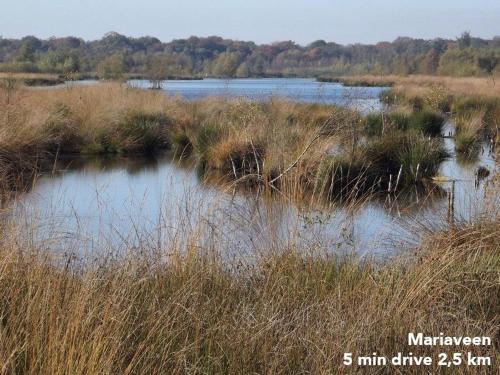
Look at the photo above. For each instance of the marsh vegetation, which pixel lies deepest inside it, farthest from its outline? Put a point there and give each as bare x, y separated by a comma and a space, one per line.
272, 143
170, 299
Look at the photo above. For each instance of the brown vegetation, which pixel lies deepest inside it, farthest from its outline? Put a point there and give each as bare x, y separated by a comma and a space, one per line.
421, 84
266, 142
288, 313
185, 309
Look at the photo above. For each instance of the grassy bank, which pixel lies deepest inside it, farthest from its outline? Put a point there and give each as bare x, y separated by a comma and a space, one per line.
276, 143
288, 313
418, 84
30, 79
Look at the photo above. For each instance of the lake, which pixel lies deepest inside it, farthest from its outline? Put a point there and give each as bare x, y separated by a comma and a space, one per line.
297, 89
132, 202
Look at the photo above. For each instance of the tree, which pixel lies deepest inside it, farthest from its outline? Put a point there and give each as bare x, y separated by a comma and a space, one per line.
28, 48
158, 71
243, 71
430, 62
487, 62
225, 65
112, 67
465, 40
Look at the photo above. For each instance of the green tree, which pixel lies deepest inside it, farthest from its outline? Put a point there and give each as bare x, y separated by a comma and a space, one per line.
112, 67
487, 62
457, 62
465, 40
430, 62
243, 71
225, 65
158, 71
28, 48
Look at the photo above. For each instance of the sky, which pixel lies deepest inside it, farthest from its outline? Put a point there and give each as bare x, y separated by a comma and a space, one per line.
262, 21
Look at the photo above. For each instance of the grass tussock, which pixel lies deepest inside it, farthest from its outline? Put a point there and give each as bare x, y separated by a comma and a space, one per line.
385, 163
287, 313
469, 128
425, 122
473, 104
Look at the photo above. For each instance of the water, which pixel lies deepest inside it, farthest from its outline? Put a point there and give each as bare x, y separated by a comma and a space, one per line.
302, 90
128, 203
125, 201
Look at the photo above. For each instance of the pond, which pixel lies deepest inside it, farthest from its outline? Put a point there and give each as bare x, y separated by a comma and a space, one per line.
124, 203
297, 89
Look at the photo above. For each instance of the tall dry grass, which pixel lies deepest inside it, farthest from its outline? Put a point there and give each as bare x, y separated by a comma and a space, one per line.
184, 309
36, 125
275, 143
236, 137
420, 84
473, 103
290, 312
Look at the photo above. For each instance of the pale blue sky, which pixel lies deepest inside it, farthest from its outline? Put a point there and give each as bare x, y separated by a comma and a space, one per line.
342, 21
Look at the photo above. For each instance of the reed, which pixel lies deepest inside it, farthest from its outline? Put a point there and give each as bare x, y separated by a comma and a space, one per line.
262, 142
291, 311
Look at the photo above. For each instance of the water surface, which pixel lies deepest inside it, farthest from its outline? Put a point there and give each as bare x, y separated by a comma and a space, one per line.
161, 202
124, 201
297, 89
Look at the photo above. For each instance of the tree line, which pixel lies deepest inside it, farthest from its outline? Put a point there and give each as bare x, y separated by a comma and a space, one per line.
115, 55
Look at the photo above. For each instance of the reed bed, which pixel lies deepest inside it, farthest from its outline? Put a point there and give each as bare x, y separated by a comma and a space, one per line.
263, 143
